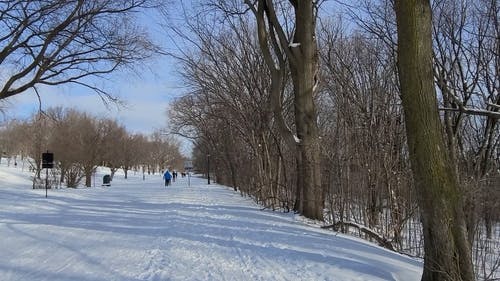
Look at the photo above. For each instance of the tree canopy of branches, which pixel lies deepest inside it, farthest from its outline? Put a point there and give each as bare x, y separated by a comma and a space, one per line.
57, 42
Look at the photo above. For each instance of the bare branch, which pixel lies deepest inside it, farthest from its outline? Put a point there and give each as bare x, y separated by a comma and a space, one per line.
56, 42
471, 111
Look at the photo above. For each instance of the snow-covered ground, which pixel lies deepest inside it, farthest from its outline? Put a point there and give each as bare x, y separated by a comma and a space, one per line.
140, 230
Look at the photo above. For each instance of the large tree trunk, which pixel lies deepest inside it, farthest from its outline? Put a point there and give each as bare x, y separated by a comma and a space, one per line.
304, 67
302, 57
447, 251
88, 176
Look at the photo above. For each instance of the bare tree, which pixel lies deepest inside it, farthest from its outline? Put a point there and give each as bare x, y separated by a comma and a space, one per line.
62, 139
34, 139
112, 145
57, 42
366, 169
128, 150
163, 151
11, 140
447, 252
287, 40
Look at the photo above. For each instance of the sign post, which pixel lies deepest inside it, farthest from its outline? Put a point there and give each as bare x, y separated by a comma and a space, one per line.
208, 168
47, 163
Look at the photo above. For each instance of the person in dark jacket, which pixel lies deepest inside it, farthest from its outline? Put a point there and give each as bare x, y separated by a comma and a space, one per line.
167, 177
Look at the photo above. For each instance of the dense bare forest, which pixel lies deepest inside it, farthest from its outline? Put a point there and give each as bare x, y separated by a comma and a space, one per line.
243, 96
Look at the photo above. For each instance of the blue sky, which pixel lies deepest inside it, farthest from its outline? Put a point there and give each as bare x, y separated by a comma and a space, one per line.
146, 93
146, 98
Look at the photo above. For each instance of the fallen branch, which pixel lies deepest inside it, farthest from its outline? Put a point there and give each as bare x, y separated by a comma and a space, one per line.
371, 233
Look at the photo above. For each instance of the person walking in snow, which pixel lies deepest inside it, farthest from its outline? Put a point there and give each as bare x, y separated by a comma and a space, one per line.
167, 177
174, 175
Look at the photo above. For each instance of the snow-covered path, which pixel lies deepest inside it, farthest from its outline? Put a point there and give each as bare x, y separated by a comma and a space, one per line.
140, 230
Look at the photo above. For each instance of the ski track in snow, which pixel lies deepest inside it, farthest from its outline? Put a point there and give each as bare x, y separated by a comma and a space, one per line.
140, 230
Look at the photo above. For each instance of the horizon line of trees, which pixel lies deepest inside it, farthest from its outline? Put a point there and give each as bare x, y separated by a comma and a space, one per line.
81, 142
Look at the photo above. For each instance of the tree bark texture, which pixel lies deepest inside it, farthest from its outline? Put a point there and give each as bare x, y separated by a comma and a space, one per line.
447, 251
304, 65
302, 58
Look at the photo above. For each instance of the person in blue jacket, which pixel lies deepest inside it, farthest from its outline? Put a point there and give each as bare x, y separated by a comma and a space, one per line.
167, 177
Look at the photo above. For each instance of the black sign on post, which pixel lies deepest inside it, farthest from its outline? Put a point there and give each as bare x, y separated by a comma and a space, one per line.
47, 163
47, 160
